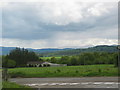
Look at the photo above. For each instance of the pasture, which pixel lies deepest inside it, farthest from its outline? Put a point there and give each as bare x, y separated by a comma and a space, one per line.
45, 58
66, 71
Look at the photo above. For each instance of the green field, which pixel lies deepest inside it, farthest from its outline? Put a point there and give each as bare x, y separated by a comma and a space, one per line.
14, 85
45, 58
66, 71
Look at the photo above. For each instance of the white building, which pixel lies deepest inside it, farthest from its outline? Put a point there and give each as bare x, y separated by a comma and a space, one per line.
43, 64
53, 64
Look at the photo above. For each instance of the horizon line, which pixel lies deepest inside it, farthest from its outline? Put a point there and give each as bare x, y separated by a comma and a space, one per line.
75, 47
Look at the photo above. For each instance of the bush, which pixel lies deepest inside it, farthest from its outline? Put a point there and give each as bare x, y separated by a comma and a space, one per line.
11, 63
22, 65
8, 63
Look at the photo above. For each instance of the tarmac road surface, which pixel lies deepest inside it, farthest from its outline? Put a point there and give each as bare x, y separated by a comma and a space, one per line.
78, 82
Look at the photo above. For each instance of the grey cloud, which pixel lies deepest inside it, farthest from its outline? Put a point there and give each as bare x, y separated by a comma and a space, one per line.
24, 22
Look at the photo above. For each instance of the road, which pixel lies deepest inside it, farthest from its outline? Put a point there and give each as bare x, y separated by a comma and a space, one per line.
83, 82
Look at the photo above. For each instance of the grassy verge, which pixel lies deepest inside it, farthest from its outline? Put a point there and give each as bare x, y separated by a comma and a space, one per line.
13, 85
66, 71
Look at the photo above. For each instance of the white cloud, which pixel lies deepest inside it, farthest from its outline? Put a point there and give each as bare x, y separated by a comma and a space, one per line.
63, 13
59, 0
96, 10
87, 42
59, 13
62, 43
23, 43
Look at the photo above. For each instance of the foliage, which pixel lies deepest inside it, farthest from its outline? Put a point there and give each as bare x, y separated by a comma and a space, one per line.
7, 62
22, 56
11, 63
53, 60
88, 58
4, 62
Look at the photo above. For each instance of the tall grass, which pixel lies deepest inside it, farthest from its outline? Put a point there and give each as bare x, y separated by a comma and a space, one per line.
13, 85
66, 71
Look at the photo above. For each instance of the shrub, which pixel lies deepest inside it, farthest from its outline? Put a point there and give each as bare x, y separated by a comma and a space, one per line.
22, 65
10, 63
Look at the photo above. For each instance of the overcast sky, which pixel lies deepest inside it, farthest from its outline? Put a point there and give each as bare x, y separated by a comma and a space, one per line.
59, 24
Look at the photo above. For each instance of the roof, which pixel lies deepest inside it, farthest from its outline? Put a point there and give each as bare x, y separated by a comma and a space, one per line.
52, 63
47, 63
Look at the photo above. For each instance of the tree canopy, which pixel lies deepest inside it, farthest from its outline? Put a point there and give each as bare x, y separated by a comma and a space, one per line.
88, 58
22, 56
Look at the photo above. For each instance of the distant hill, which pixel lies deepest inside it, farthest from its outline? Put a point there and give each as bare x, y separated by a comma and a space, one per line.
101, 48
65, 51
6, 50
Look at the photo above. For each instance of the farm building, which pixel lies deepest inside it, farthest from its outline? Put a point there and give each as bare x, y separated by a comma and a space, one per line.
43, 64
34, 63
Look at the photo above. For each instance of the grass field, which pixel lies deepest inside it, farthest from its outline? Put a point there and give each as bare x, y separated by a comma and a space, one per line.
66, 71
14, 85
45, 58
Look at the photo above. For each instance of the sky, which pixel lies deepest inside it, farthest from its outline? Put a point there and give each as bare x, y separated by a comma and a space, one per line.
71, 24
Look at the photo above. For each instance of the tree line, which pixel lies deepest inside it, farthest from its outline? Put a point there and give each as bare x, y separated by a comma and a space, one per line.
87, 59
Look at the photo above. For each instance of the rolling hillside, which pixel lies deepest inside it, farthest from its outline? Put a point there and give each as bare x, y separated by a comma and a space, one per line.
101, 48
65, 51
6, 50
